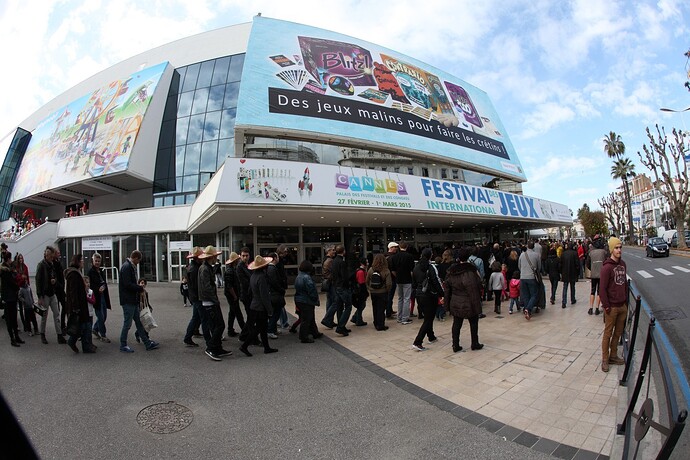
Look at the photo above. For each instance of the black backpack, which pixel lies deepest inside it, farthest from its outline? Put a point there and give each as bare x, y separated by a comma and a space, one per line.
376, 280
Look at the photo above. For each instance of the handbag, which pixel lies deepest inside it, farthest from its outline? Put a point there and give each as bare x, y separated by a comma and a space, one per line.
588, 273
325, 285
73, 328
537, 275
147, 319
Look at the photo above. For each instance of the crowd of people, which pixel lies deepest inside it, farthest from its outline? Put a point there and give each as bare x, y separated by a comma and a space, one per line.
455, 282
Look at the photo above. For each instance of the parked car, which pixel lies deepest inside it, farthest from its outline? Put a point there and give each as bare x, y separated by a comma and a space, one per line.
656, 246
674, 239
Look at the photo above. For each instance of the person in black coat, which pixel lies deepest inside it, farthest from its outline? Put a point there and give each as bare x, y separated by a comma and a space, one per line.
77, 303
570, 269
553, 270
9, 291
428, 290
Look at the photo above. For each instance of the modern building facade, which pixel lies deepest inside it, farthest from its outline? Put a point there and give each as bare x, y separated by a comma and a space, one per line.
259, 134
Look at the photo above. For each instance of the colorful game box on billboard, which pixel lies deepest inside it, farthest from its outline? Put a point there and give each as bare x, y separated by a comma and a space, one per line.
463, 103
329, 57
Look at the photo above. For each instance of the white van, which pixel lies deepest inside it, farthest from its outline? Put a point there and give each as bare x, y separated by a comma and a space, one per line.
668, 236
671, 237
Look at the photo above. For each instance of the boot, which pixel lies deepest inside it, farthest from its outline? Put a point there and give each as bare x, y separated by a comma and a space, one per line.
589, 312
17, 338
596, 312
61, 339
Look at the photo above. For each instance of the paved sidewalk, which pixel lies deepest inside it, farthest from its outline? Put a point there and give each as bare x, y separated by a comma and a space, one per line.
535, 390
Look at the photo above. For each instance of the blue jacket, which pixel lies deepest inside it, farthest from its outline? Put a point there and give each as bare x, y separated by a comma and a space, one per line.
128, 287
305, 290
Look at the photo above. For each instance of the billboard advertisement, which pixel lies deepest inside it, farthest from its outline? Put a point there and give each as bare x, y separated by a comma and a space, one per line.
256, 181
306, 79
91, 137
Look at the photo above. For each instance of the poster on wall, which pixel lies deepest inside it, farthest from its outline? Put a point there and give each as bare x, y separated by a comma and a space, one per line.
302, 78
256, 181
91, 137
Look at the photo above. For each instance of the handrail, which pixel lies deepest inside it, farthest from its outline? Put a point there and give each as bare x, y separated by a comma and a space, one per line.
115, 275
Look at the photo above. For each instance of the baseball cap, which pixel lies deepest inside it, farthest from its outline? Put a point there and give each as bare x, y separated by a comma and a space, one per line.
392, 244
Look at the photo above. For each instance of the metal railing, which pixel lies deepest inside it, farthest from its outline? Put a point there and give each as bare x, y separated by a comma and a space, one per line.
668, 421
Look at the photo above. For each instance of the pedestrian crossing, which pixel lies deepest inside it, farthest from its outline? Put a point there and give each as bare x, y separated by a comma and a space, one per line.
662, 271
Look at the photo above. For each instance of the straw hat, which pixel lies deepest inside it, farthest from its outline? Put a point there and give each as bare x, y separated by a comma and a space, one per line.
260, 262
196, 252
209, 252
233, 257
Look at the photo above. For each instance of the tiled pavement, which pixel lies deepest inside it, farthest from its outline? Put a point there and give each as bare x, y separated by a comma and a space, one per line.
537, 383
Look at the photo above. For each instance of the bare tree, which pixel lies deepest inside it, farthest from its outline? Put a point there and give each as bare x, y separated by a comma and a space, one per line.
613, 211
671, 173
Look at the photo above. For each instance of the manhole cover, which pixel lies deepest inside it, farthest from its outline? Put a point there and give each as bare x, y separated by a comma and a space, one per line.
667, 315
165, 418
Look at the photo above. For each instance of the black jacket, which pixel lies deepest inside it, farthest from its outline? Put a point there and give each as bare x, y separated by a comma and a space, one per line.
553, 267
244, 275
570, 266
75, 299
97, 279
339, 274
44, 273
402, 263
193, 280
422, 271
128, 287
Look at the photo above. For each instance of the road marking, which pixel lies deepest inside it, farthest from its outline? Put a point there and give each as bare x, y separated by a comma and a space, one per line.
683, 269
644, 274
663, 271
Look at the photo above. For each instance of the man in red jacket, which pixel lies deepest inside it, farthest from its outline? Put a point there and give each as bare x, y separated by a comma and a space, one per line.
613, 293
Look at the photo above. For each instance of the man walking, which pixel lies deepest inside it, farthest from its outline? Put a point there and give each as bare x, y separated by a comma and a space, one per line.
198, 314
46, 281
614, 295
570, 269
343, 291
529, 265
232, 294
595, 260
208, 295
392, 250
326, 271
129, 292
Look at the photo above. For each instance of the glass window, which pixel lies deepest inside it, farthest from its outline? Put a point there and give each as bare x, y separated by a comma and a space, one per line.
168, 201
184, 106
179, 199
241, 237
189, 198
170, 108
425, 172
209, 151
204, 179
179, 158
396, 169
220, 72
455, 173
178, 78
196, 128
215, 98
178, 183
410, 171
167, 135
321, 234
190, 183
205, 74
231, 92
200, 101
227, 124
277, 235
191, 159
236, 64
190, 77
444, 173
181, 131
211, 126
158, 201
226, 147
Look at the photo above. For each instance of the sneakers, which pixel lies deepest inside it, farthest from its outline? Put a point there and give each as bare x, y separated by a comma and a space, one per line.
527, 315
434, 340
342, 332
244, 350
482, 315
328, 325
510, 312
73, 346
223, 352
418, 347
152, 345
126, 349
589, 312
105, 339
212, 355
271, 335
406, 322
191, 343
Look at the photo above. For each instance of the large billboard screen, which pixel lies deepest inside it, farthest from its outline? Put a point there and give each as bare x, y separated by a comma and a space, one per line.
256, 181
306, 79
90, 137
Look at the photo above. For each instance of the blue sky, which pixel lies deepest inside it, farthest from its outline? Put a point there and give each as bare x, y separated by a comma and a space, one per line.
561, 74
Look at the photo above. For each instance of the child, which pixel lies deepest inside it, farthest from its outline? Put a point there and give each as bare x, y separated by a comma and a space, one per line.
184, 290
514, 291
504, 270
26, 302
360, 292
91, 301
497, 284
143, 303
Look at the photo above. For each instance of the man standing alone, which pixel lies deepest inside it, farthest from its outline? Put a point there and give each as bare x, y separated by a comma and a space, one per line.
402, 265
613, 293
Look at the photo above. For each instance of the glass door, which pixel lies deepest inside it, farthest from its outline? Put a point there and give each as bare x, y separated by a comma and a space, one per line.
178, 264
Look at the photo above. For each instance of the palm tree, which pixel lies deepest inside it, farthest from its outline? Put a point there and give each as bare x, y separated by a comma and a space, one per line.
624, 169
614, 146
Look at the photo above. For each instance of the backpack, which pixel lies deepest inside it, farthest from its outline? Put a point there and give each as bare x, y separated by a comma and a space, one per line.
376, 280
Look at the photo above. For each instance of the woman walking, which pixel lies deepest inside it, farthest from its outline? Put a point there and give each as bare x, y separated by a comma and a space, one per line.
463, 298
260, 308
428, 289
379, 282
306, 300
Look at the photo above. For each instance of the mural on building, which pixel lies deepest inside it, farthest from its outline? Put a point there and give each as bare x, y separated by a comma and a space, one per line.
92, 136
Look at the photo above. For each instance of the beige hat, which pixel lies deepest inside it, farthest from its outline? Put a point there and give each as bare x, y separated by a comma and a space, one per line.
233, 257
210, 251
196, 252
260, 262
392, 244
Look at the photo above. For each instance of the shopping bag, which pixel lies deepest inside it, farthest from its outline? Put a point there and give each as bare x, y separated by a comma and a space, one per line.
147, 319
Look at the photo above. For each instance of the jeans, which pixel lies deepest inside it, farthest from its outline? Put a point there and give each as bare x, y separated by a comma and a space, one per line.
554, 288
360, 305
52, 303
198, 319
131, 312
565, 292
513, 301
216, 326
85, 334
331, 307
404, 293
614, 322
343, 298
528, 290
234, 312
101, 315
427, 307
379, 302
474, 330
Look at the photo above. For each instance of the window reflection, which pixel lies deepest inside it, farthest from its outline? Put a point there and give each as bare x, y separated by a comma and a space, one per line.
190, 78
190, 183
205, 74
236, 65
181, 131
215, 98
196, 128
227, 124
211, 126
231, 92
220, 72
191, 160
209, 151
200, 100
184, 107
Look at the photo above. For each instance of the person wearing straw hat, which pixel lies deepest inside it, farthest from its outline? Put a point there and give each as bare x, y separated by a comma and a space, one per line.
260, 308
232, 293
208, 295
198, 313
